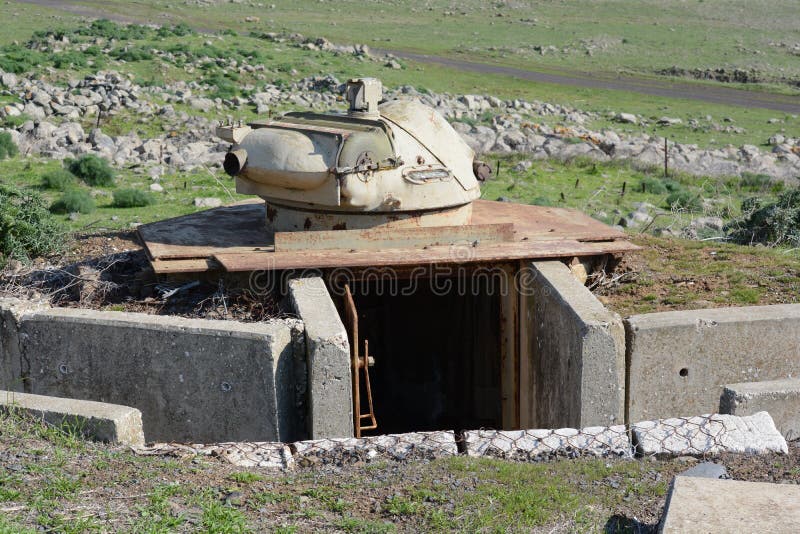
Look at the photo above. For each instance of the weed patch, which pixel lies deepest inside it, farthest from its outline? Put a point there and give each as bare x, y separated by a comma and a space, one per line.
132, 198
27, 229
7, 147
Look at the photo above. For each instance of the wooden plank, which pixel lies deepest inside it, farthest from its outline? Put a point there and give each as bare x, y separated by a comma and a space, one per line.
525, 384
537, 221
509, 351
185, 266
483, 253
377, 238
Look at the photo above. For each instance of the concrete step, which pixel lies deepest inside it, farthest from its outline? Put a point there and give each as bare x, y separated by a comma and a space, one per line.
101, 421
712, 506
779, 398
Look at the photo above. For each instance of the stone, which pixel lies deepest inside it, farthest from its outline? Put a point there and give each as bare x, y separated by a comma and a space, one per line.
679, 362
723, 506
577, 352
399, 447
156, 188
8, 79
330, 389
109, 423
780, 398
207, 202
706, 470
669, 121
522, 166
777, 139
708, 434
543, 444
627, 118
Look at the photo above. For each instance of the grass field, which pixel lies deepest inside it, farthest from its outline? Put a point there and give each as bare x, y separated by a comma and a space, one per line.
642, 37
605, 191
440, 37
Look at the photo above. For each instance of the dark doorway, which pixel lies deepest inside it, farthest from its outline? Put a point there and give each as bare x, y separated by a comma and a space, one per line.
437, 354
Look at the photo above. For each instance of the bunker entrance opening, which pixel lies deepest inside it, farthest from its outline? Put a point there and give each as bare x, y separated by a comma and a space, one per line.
437, 346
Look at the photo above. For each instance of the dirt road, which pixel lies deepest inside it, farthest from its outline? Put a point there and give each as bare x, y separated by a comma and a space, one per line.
663, 88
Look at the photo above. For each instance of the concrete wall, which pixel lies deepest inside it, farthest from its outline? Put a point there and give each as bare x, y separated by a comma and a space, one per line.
679, 362
576, 351
330, 387
193, 380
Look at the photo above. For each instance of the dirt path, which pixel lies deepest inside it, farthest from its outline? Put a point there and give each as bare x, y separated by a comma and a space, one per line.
662, 88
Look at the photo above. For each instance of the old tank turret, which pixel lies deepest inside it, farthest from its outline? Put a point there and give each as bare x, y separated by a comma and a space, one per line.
398, 161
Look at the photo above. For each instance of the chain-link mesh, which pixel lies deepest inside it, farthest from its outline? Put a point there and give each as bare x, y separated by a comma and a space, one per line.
242, 454
708, 434
413, 445
692, 436
537, 445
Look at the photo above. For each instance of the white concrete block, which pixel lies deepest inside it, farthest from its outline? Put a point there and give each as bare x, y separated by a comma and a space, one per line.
709, 434
413, 445
534, 444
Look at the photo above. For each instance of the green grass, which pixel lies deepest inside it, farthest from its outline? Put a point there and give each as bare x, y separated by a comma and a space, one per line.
663, 33
179, 192
281, 59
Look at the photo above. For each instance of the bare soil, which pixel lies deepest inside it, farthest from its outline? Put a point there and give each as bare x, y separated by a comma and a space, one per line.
674, 274
111, 272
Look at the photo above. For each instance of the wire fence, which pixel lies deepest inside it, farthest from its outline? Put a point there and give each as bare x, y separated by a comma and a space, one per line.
681, 436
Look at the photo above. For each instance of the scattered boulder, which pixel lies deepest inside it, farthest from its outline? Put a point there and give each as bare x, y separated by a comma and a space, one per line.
209, 202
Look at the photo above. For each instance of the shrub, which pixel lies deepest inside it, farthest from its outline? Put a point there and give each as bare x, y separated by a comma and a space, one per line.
223, 87
60, 180
758, 183
672, 186
15, 121
132, 53
652, 185
7, 147
685, 201
541, 201
74, 201
93, 170
66, 60
179, 30
773, 223
27, 229
18, 59
132, 198
111, 30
